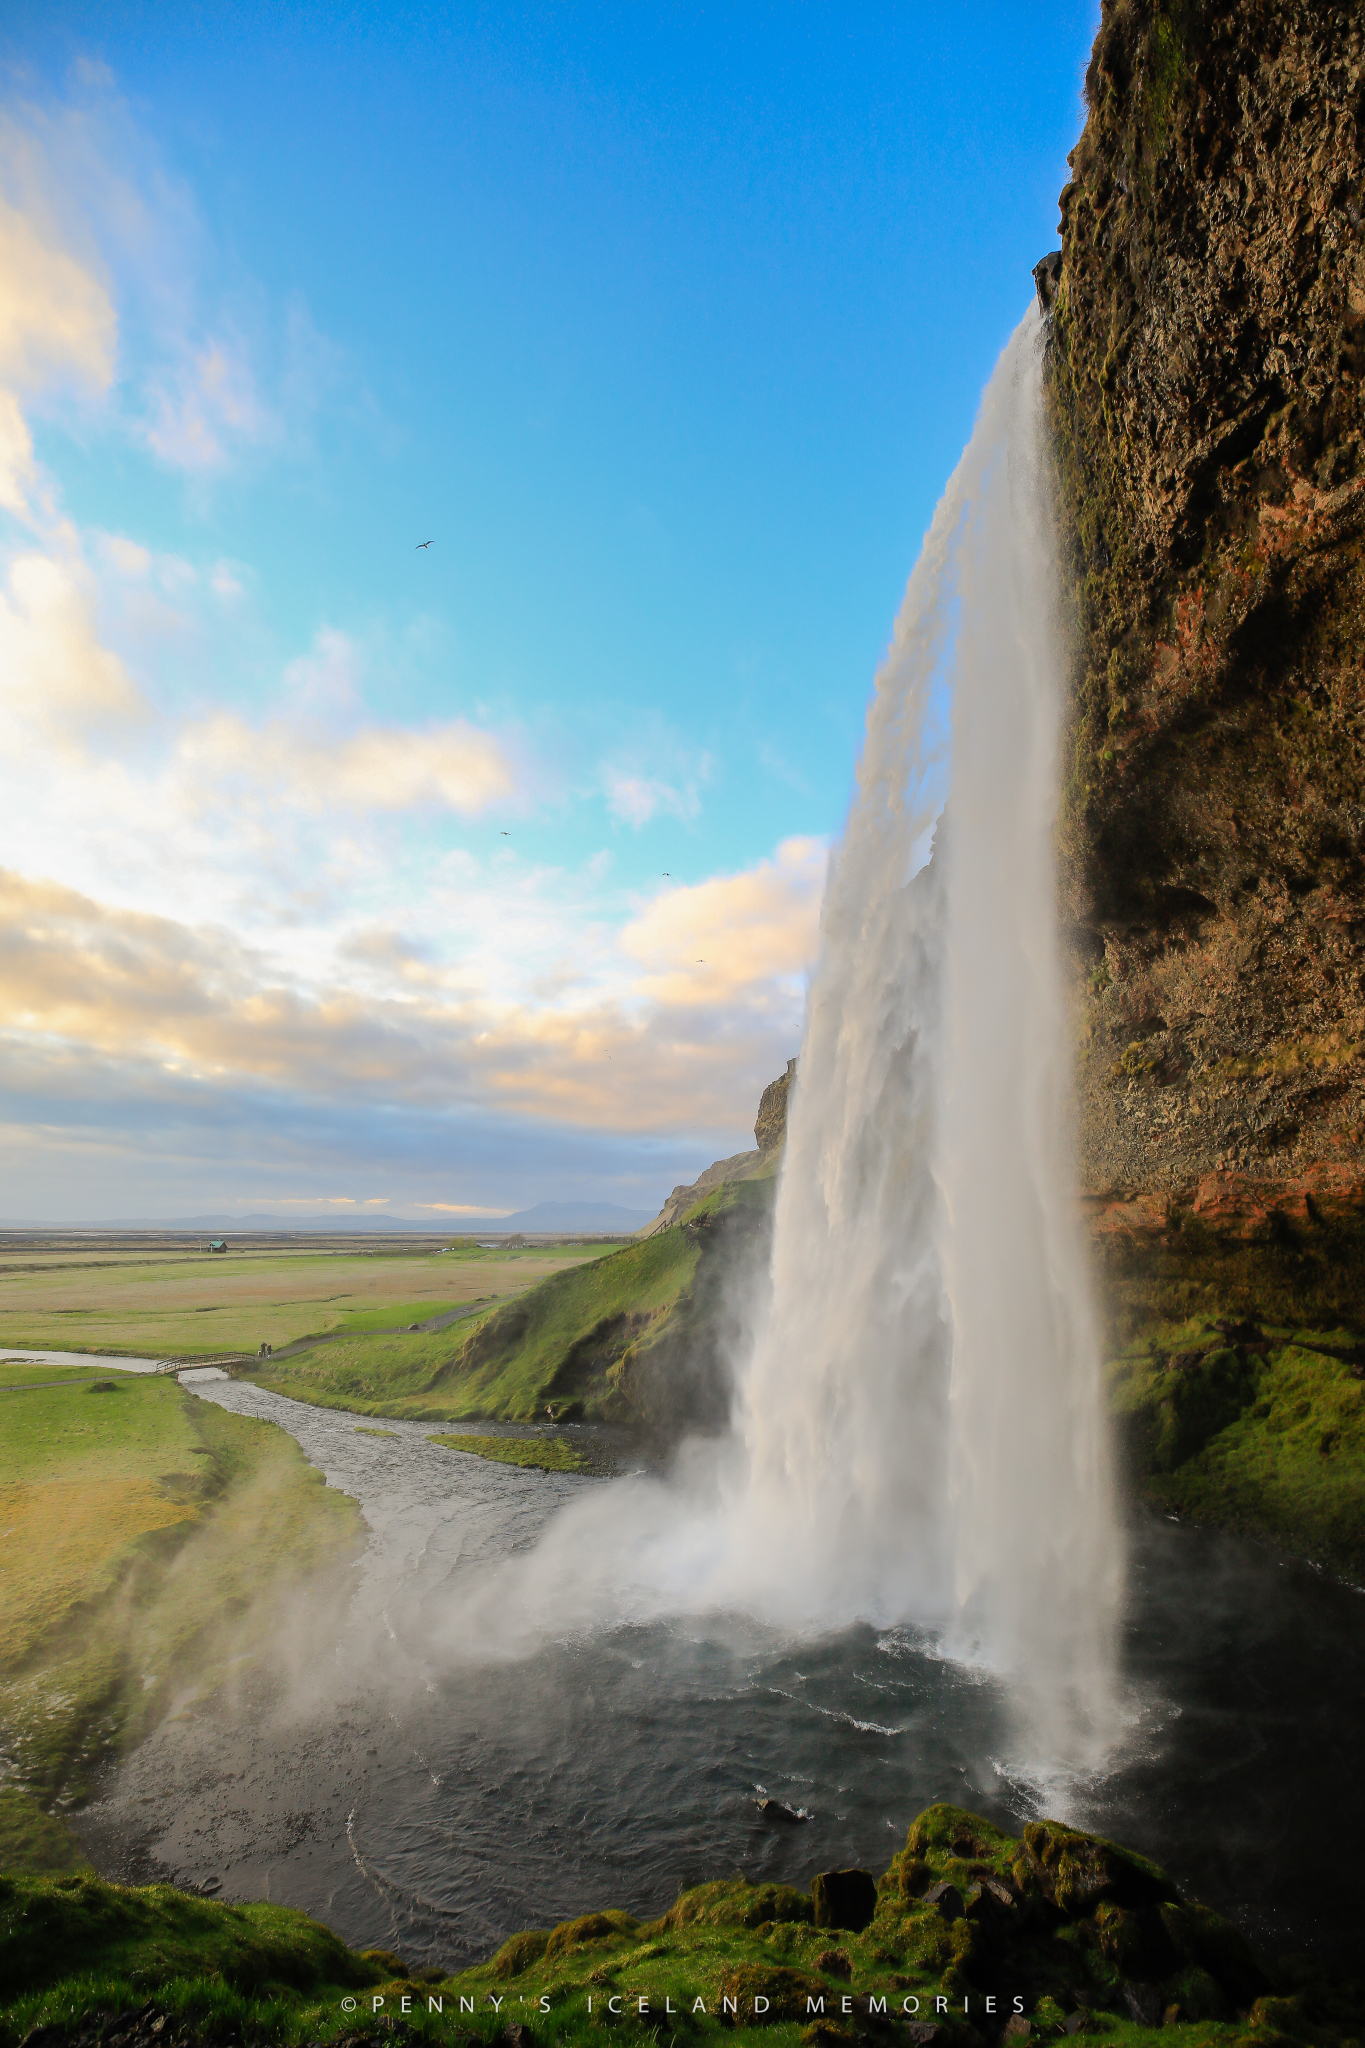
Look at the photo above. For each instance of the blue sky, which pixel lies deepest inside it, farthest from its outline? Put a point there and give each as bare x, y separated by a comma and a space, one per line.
336, 871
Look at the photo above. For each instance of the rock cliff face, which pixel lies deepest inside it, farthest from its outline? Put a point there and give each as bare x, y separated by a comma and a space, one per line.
771, 1132
770, 1129
1204, 374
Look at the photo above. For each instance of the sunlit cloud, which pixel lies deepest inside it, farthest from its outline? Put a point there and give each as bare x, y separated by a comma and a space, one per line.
381, 768
57, 677
57, 325
202, 1002
58, 331
212, 897
702, 943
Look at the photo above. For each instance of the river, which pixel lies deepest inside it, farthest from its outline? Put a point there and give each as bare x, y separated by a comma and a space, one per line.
426, 1802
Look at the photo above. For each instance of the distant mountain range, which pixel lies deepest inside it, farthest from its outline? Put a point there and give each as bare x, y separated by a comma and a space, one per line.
597, 1219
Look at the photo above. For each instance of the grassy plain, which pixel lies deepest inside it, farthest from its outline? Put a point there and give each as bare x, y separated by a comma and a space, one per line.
183, 1302
138, 1527
1084, 1934
554, 1346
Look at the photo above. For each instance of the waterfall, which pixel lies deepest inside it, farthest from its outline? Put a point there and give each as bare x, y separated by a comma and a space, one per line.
923, 1407
919, 1431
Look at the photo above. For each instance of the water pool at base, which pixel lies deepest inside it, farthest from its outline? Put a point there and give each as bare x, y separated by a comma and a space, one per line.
436, 1807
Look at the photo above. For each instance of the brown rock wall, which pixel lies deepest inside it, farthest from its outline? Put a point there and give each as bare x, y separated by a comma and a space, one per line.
1205, 371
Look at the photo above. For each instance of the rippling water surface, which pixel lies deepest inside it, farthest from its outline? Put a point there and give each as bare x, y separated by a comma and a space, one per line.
436, 1806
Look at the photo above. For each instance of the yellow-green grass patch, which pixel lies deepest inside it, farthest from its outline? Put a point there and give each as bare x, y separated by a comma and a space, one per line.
545, 1453
146, 1536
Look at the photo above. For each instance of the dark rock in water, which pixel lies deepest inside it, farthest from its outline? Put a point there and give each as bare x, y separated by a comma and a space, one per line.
773, 1809
946, 1899
844, 1898
1045, 277
1145, 2003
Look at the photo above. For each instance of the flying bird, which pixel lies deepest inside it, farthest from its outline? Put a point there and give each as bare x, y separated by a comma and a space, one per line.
424, 543
666, 877
504, 835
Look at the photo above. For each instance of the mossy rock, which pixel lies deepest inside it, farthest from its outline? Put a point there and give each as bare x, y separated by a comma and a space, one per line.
519, 1953
585, 1931
1078, 1871
766, 1997
736, 1903
944, 1830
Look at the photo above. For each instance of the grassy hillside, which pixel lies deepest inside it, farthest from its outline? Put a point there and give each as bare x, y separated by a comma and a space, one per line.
630, 1337
138, 1529
190, 1304
1251, 1427
965, 1928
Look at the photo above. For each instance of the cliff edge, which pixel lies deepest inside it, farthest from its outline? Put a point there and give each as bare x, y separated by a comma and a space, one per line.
1206, 350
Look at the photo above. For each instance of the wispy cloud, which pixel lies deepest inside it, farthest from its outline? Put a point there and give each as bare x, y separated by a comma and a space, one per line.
111, 290
635, 799
201, 410
454, 767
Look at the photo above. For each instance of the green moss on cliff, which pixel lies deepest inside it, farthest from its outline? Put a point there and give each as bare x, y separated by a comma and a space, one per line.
1267, 1435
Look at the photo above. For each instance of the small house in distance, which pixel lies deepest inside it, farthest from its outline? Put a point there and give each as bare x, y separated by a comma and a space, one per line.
217, 1244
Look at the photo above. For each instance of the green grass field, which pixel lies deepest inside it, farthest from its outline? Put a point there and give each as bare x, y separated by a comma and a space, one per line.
193, 1304
145, 1537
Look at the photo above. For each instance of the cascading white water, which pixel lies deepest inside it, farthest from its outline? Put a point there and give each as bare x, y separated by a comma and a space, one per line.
924, 1407
919, 1429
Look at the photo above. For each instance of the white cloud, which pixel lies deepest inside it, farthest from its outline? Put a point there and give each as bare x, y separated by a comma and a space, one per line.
453, 767
56, 676
355, 953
